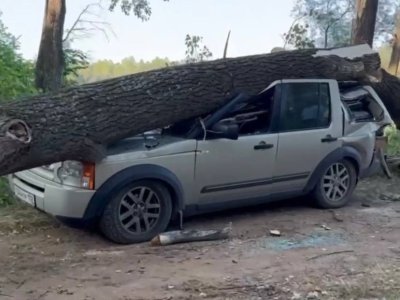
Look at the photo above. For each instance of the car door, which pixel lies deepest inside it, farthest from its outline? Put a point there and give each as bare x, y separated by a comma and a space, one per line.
230, 170
310, 127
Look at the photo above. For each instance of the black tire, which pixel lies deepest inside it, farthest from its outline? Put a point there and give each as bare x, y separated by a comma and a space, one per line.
112, 226
320, 193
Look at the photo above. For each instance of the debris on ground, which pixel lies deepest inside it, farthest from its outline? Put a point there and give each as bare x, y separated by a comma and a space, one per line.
296, 296
329, 254
194, 235
275, 233
293, 266
336, 216
312, 295
389, 196
325, 227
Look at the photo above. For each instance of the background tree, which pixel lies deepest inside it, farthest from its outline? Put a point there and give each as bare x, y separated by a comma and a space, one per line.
385, 21
365, 20
395, 55
105, 69
16, 73
320, 23
195, 50
297, 36
51, 61
16, 79
85, 25
331, 23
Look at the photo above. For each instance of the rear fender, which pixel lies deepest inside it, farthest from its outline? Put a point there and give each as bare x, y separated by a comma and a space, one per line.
336, 155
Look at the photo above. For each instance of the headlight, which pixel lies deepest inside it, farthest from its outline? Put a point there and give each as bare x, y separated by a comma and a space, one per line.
77, 174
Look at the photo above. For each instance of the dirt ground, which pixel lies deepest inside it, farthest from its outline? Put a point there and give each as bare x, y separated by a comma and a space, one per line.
350, 253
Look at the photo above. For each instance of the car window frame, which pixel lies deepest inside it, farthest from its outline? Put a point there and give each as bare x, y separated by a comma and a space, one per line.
275, 113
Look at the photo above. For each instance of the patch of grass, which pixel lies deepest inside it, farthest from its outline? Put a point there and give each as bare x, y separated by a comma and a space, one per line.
6, 198
375, 283
394, 140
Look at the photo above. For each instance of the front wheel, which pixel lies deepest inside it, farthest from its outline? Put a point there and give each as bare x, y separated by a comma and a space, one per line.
336, 185
137, 213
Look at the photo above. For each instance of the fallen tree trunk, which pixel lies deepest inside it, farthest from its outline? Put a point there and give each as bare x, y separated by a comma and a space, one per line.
76, 123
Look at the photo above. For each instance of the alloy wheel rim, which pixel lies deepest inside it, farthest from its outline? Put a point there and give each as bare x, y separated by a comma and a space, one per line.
139, 210
336, 182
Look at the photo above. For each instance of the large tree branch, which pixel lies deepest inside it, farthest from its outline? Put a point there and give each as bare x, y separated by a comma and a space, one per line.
76, 123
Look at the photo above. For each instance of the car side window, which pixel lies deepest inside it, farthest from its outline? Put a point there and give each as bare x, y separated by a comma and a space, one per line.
254, 116
305, 106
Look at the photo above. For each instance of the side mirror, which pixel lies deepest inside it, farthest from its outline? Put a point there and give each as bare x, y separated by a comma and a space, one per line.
225, 129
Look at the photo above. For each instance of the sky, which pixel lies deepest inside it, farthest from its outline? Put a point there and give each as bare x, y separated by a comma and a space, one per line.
256, 27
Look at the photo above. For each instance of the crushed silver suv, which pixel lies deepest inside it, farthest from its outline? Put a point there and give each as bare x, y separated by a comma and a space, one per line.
296, 137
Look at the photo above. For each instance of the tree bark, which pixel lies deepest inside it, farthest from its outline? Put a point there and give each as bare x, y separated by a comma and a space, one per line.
76, 123
364, 28
50, 61
395, 57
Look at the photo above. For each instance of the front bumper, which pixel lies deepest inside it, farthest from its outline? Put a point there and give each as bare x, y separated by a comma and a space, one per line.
51, 197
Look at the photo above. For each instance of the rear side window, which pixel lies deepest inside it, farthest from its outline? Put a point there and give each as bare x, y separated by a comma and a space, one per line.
305, 106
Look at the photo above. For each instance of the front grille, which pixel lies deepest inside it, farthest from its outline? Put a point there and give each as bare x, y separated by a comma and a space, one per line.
37, 188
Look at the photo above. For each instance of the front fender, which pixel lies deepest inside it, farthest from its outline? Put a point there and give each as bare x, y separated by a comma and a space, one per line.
119, 180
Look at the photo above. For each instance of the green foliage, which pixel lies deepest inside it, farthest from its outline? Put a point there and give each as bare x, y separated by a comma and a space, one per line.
140, 8
195, 50
6, 197
16, 74
298, 37
74, 61
393, 136
104, 69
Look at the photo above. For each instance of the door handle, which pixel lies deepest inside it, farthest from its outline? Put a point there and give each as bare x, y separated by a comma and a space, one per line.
329, 139
263, 145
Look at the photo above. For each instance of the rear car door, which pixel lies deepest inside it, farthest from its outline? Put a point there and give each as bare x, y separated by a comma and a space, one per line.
309, 128
232, 170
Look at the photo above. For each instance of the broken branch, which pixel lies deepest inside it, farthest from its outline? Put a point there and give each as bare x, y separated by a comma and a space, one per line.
187, 236
329, 254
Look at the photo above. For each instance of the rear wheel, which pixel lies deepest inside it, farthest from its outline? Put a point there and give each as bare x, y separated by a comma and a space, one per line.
336, 185
137, 213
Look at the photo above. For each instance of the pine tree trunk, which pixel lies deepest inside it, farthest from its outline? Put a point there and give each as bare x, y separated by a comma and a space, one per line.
395, 57
50, 61
76, 123
364, 27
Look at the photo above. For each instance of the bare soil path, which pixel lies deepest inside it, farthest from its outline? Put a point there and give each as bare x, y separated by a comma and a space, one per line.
350, 253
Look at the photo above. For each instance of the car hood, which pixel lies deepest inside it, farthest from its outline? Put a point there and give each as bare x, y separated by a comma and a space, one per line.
151, 146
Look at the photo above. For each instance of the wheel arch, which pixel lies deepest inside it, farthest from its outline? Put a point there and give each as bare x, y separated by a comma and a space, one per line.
345, 152
129, 175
